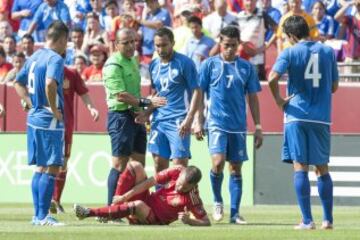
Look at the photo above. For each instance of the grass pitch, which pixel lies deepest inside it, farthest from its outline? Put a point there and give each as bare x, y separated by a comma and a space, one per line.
264, 222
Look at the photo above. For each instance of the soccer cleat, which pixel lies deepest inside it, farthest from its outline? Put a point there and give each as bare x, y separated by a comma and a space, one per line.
50, 221
81, 212
56, 207
35, 221
237, 219
218, 213
303, 226
326, 225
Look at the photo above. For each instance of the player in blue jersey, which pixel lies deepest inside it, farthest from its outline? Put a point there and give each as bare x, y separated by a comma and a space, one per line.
174, 77
227, 80
313, 77
39, 83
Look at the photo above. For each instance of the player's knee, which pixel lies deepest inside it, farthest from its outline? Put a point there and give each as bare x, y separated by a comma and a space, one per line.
119, 163
181, 161
136, 168
235, 169
321, 170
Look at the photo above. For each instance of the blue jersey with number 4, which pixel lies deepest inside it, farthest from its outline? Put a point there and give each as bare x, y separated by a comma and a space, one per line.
226, 85
43, 64
312, 70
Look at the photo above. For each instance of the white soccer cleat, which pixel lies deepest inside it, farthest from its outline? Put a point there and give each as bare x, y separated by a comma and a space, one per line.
218, 213
237, 219
50, 221
326, 225
35, 221
81, 212
303, 226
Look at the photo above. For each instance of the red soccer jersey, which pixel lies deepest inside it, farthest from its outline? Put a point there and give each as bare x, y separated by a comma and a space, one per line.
73, 83
166, 203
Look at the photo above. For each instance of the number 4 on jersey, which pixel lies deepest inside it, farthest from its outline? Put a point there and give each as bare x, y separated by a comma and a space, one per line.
313, 65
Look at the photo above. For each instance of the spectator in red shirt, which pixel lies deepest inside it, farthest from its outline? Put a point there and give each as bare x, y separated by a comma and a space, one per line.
73, 84
5, 11
5, 67
168, 204
98, 55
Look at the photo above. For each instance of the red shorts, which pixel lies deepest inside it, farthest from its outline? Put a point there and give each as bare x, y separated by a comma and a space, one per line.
126, 182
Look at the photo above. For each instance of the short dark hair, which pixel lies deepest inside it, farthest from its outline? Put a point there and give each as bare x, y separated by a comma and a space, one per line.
56, 30
164, 31
195, 19
28, 37
19, 55
78, 30
192, 175
111, 2
297, 27
12, 37
230, 32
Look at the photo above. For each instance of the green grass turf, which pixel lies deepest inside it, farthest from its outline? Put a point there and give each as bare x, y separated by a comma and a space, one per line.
264, 222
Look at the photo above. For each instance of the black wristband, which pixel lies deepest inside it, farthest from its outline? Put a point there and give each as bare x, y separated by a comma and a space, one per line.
144, 102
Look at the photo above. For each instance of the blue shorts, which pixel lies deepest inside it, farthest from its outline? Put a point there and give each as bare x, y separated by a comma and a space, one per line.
232, 145
307, 143
126, 135
45, 147
166, 142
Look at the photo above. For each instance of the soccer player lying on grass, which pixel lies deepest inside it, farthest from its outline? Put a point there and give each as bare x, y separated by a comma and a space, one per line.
174, 201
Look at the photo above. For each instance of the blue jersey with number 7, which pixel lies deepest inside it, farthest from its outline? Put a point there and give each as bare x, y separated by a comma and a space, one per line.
43, 64
312, 70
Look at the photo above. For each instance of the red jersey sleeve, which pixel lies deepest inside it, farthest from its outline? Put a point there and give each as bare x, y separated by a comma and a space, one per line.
195, 205
168, 175
79, 84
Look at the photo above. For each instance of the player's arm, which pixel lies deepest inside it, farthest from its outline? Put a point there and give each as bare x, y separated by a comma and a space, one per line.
2, 111
342, 11
255, 113
23, 93
274, 78
137, 189
185, 218
90, 106
130, 99
51, 92
185, 126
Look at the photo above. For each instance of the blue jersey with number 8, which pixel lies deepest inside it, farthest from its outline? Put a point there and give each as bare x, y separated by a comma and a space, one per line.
43, 64
312, 70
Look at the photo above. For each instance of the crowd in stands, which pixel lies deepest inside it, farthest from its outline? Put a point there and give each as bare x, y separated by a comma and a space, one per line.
196, 25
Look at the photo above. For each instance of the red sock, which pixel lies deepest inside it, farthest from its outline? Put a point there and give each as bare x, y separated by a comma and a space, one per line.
126, 182
112, 212
59, 185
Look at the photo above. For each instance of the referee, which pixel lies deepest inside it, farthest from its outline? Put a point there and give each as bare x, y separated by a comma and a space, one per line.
122, 85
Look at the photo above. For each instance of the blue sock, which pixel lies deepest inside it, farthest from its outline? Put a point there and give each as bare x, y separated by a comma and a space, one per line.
302, 189
216, 180
325, 189
112, 183
46, 189
35, 191
235, 189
